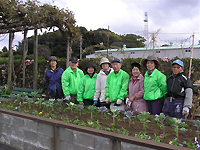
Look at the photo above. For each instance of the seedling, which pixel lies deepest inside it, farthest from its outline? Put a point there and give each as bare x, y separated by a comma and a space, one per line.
161, 118
52, 103
102, 110
115, 113
79, 108
70, 106
60, 102
197, 124
34, 94
40, 100
177, 123
129, 115
92, 109
143, 117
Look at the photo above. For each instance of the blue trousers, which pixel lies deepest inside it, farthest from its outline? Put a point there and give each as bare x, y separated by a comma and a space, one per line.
174, 108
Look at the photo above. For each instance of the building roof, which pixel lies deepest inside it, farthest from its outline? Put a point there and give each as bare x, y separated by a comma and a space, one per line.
149, 48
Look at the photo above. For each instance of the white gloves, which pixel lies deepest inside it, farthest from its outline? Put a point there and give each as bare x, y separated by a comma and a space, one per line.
107, 100
119, 101
185, 111
67, 98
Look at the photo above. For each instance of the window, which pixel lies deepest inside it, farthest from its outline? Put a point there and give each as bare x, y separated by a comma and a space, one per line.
157, 51
187, 50
132, 52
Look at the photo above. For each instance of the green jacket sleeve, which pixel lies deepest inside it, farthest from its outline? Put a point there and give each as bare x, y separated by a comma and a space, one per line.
162, 83
123, 91
65, 83
107, 87
81, 90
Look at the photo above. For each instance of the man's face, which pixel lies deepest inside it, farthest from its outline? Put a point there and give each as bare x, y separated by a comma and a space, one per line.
105, 66
177, 69
53, 63
116, 66
73, 65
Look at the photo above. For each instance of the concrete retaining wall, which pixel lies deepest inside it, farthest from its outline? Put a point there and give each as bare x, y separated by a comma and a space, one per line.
27, 132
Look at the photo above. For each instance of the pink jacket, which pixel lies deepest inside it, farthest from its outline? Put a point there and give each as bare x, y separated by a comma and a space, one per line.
137, 89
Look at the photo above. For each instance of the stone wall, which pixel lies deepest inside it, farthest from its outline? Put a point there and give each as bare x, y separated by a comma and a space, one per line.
27, 132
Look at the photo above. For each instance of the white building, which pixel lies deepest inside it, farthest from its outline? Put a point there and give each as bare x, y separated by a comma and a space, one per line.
161, 52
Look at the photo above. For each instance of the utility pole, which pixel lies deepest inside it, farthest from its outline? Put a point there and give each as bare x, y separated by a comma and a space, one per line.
81, 47
108, 42
190, 69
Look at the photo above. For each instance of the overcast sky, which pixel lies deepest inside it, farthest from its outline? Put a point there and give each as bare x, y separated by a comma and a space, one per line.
177, 19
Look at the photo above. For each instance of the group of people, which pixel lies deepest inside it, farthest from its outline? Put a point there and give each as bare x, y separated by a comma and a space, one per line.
112, 87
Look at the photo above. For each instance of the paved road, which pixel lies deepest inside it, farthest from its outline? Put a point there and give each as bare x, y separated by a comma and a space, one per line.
5, 147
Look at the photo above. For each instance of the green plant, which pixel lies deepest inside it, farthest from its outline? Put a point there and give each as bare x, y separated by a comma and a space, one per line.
102, 110
79, 108
123, 131
143, 117
161, 118
157, 138
129, 115
177, 123
92, 109
51, 103
175, 141
70, 106
197, 124
189, 144
115, 113
142, 135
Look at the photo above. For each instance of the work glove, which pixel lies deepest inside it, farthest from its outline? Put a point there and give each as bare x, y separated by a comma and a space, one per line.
119, 101
107, 100
95, 102
185, 111
67, 98
81, 103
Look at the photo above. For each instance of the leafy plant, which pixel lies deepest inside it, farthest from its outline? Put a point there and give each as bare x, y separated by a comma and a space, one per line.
52, 103
129, 115
143, 135
190, 144
123, 131
161, 118
102, 110
197, 124
177, 123
175, 141
70, 106
115, 113
79, 108
143, 117
92, 109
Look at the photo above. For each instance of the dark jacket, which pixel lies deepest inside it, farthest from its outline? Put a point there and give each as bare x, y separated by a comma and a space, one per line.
176, 86
53, 81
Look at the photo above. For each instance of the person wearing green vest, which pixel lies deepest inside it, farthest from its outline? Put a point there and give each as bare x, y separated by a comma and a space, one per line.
70, 79
155, 85
116, 86
86, 88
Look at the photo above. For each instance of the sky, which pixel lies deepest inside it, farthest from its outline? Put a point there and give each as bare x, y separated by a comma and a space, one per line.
176, 20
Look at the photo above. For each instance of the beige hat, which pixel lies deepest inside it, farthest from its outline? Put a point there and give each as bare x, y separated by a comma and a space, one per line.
152, 58
104, 60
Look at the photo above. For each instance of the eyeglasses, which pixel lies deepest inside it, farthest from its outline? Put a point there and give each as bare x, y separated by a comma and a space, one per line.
176, 67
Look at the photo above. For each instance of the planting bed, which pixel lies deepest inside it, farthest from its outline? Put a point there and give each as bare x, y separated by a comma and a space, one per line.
107, 120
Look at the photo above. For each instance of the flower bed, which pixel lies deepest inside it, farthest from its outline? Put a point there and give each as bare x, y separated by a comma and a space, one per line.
144, 126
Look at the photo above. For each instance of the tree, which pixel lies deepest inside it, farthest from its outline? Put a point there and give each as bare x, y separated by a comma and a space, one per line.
4, 49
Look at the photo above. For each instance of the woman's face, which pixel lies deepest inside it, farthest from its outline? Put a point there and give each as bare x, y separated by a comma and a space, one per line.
135, 71
90, 70
53, 63
150, 65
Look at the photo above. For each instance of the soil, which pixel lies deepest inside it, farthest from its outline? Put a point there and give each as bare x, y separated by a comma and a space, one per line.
106, 123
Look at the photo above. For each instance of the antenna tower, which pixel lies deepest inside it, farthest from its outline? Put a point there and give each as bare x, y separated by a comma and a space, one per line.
146, 28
